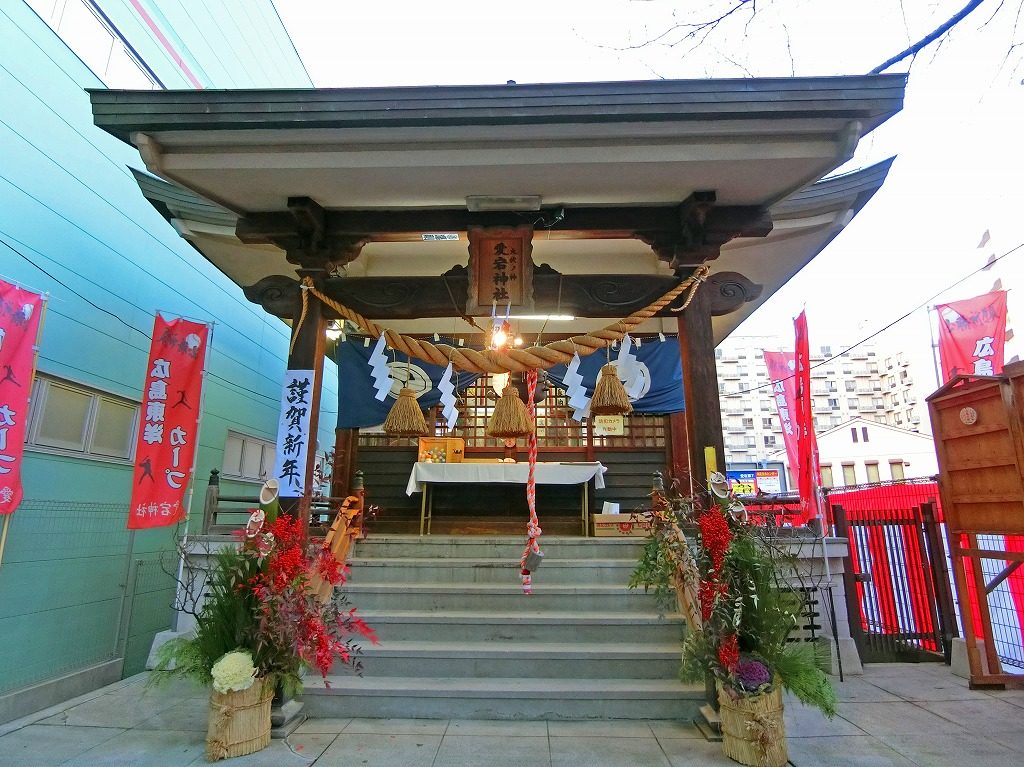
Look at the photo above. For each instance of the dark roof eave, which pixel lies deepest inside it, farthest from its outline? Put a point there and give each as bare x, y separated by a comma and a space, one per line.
871, 98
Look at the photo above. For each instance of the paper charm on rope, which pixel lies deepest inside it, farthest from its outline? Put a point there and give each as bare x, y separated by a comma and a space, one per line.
447, 389
574, 389
381, 373
629, 370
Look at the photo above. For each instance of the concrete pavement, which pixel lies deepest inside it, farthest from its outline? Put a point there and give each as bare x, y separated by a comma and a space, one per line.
895, 714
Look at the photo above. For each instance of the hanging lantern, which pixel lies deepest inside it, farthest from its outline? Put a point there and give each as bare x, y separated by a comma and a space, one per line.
610, 396
405, 418
509, 418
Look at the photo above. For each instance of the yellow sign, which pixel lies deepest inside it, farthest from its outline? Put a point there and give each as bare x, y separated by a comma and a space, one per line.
608, 426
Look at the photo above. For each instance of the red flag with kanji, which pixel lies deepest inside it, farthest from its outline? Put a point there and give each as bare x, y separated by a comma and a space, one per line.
782, 372
972, 335
20, 312
809, 470
166, 445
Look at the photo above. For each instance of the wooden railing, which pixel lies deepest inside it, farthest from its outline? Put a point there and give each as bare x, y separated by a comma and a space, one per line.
223, 514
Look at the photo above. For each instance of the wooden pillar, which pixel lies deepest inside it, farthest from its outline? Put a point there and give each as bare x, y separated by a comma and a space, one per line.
309, 335
679, 453
700, 386
346, 456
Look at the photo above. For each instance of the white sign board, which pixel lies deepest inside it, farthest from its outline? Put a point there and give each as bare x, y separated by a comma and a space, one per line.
608, 426
293, 432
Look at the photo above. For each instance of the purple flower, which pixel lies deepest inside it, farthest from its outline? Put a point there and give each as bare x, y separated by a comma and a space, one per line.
752, 674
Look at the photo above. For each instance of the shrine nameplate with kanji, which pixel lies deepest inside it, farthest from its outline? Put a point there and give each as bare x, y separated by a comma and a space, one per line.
501, 269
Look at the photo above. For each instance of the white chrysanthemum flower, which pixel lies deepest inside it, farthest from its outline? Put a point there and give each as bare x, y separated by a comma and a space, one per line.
234, 671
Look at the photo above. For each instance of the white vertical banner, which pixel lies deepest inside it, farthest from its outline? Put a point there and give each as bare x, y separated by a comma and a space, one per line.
293, 435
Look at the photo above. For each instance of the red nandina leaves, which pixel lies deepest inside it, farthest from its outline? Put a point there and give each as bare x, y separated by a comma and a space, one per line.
292, 627
715, 536
729, 653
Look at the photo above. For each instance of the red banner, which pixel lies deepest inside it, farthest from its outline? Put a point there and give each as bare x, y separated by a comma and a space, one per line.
809, 474
166, 445
972, 335
782, 372
20, 312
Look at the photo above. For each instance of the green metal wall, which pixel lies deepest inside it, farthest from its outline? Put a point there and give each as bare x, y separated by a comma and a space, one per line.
76, 588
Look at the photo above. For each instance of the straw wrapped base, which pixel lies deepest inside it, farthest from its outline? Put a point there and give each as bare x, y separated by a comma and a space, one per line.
239, 722
753, 732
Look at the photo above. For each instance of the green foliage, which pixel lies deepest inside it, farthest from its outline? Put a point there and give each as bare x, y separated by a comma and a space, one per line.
748, 605
654, 570
799, 667
226, 622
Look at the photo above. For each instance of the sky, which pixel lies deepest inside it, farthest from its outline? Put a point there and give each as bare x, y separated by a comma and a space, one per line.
957, 141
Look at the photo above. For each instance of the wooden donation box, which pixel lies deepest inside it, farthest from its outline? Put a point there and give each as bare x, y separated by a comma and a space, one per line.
978, 424
441, 449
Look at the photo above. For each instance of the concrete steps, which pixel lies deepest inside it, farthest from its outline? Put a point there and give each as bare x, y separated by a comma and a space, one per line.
459, 639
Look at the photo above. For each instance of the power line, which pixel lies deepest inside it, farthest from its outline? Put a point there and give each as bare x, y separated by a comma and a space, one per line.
894, 322
128, 325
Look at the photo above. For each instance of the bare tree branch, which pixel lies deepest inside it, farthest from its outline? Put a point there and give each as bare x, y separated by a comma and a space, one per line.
700, 28
929, 38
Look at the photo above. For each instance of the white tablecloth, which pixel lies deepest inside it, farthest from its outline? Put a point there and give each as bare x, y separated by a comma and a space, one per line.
516, 473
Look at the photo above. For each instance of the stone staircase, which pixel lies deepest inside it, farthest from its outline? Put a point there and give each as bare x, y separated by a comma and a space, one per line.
459, 639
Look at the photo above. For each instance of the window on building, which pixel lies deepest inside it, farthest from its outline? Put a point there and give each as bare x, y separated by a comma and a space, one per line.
835, 420
878, 402
872, 469
853, 433
853, 403
898, 418
851, 386
849, 474
68, 417
721, 387
896, 469
748, 423
826, 351
767, 423
833, 386
876, 386
769, 440
96, 42
872, 367
826, 476
864, 433
718, 354
247, 457
833, 403
895, 399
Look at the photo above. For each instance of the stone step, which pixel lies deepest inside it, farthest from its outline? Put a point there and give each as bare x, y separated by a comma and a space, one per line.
474, 596
488, 570
496, 547
555, 626
501, 698
545, 660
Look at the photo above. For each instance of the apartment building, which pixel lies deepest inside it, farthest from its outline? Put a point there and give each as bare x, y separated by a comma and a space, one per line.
862, 383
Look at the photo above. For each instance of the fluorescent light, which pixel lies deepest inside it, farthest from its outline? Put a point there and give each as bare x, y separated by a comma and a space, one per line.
480, 203
554, 317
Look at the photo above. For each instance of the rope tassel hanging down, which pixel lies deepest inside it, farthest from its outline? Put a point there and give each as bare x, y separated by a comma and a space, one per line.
532, 555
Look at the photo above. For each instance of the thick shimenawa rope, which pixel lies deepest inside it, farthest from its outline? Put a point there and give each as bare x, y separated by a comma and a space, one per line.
512, 360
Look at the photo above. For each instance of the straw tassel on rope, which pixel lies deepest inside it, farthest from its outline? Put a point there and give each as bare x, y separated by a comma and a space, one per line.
405, 418
509, 418
610, 396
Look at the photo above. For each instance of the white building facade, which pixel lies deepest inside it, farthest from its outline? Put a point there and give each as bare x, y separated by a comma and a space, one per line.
864, 383
862, 450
